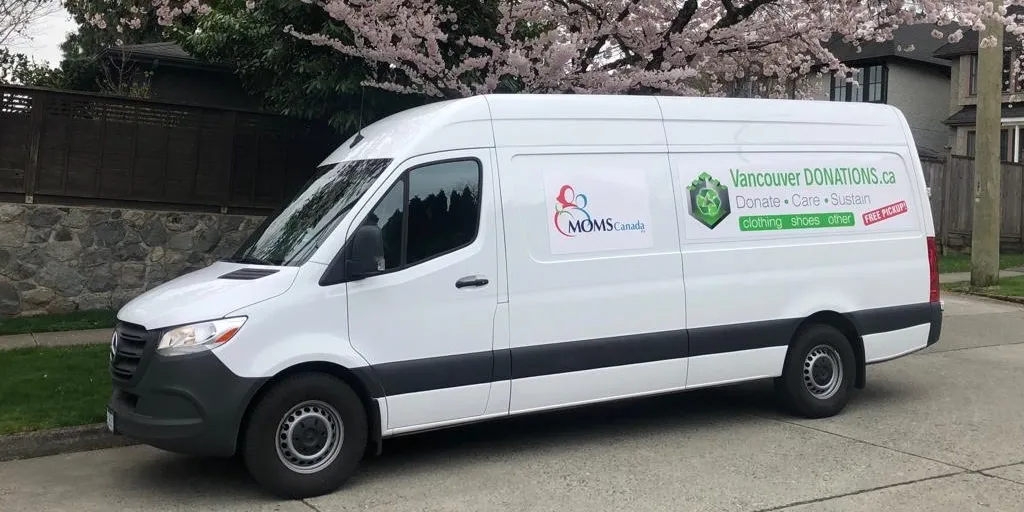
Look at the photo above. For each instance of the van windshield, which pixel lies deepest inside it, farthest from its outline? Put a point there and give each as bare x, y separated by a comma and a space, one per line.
291, 235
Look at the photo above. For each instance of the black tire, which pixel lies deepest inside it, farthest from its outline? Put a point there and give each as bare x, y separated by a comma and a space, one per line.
795, 386
261, 437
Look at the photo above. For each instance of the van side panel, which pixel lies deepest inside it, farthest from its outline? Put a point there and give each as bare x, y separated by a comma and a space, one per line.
596, 298
773, 236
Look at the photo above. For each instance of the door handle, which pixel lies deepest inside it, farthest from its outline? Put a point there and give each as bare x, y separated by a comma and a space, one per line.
471, 281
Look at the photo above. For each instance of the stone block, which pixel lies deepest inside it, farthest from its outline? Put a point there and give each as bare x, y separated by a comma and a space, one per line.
44, 216
10, 212
61, 278
12, 234
38, 296
10, 299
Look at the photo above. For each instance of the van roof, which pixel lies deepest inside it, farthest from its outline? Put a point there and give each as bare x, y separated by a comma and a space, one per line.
481, 121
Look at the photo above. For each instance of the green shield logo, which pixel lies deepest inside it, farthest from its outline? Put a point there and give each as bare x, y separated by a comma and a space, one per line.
709, 200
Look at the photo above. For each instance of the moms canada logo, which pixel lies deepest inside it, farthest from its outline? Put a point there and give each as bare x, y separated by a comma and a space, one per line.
709, 200
572, 217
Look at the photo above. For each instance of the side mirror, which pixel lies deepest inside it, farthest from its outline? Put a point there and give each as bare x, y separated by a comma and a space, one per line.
366, 253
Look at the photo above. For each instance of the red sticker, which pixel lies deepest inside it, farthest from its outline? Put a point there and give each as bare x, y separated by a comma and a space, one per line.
885, 212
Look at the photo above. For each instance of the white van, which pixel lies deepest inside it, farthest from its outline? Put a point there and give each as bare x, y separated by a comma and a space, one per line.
502, 255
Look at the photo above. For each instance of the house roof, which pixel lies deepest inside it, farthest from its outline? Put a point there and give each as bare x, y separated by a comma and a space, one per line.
912, 42
160, 53
969, 43
968, 115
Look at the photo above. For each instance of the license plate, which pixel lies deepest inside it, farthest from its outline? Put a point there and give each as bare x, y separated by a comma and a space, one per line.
110, 421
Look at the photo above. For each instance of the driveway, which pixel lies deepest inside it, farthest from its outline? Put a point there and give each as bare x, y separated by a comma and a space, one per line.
941, 430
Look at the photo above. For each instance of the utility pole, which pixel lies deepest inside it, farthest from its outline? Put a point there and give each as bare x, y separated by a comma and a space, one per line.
987, 171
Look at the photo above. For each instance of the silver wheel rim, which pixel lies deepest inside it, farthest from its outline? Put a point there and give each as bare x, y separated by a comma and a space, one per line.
823, 372
310, 437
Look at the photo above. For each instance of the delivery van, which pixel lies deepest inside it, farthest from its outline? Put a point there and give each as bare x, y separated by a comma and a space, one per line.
500, 255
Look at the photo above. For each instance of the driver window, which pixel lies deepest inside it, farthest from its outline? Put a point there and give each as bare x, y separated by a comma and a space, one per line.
431, 210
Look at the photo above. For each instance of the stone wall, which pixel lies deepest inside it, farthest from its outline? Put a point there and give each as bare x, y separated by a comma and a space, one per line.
61, 259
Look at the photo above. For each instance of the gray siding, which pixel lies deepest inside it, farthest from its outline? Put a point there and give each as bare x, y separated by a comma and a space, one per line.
921, 92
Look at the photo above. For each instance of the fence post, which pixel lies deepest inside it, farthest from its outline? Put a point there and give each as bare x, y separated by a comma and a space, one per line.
1020, 222
231, 123
947, 176
35, 133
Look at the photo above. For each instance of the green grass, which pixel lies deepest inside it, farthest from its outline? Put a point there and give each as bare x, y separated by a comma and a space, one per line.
53, 387
962, 262
1008, 286
79, 320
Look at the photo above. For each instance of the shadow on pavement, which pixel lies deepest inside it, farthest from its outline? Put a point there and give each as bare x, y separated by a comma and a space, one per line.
597, 425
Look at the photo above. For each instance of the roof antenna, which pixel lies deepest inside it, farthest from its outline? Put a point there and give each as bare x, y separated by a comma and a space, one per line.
359, 132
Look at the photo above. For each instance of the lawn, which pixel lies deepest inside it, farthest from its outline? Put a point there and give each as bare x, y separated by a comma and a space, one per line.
79, 320
962, 262
1008, 286
53, 387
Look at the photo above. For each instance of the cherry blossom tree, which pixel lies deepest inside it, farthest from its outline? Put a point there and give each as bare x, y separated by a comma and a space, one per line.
18, 16
683, 47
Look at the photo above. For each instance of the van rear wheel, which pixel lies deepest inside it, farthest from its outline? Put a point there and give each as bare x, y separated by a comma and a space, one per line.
306, 436
819, 372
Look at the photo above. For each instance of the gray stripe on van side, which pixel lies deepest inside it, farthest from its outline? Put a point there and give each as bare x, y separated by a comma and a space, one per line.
483, 367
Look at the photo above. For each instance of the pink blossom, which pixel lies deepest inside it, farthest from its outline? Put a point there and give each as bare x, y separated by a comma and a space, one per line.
609, 46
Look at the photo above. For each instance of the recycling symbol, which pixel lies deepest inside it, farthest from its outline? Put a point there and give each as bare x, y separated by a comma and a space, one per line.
709, 200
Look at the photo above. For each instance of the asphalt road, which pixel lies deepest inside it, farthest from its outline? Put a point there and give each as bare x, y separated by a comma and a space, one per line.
941, 430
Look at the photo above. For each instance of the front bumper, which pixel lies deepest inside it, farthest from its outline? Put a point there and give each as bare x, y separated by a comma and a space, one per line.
191, 404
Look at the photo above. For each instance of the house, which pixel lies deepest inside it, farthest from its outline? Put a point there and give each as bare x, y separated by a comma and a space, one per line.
902, 72
168, 73
963, 100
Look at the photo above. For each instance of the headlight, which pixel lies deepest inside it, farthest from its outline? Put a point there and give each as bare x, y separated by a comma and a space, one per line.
193, 338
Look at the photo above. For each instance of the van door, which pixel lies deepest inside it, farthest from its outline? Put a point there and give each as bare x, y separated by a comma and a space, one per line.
596, 295
426, 324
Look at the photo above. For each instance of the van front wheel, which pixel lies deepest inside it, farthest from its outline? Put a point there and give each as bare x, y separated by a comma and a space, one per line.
306, 436
819, 371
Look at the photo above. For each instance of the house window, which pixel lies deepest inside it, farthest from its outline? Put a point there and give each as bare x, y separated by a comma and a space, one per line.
863, 84
972, 77
1011, 148
1009, 82
1007, 63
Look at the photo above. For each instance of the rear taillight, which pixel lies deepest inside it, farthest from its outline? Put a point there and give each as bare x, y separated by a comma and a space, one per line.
933, 270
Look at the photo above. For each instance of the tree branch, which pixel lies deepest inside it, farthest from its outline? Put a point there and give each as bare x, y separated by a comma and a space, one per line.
734, 15
680, 22
594, 49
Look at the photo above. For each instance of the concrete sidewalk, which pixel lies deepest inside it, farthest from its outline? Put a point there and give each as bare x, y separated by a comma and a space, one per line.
56, 339
963, 277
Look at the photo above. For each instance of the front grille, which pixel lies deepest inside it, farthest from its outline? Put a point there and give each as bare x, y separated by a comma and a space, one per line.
127, 354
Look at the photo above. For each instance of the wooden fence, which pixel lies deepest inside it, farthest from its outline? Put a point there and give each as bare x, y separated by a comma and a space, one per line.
952, 186
73, 148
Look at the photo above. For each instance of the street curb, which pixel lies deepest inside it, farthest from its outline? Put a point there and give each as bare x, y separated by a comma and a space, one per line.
991, 296
55, 339
1004, 298
58, 441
